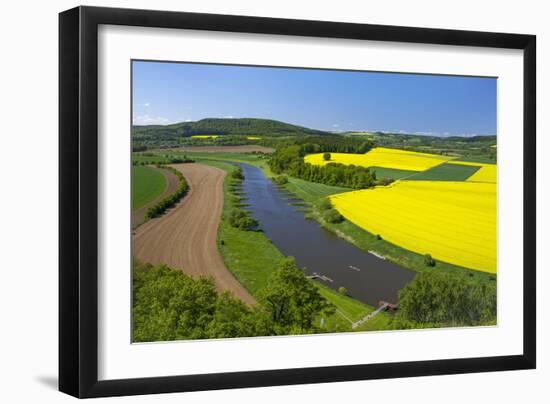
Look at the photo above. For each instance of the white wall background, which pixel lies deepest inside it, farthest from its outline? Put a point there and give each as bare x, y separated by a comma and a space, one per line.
28, 225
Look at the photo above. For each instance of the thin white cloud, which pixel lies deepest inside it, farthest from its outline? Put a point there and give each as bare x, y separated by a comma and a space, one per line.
150, 120
335, 125
229, 117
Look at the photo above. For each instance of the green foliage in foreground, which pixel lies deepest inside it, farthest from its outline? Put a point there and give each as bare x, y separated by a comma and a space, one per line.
437, 299
169, 305
159, 208
147, 184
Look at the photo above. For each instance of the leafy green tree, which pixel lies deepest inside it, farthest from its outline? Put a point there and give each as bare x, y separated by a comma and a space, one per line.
441, 299
169, 305
326, 156
292, 301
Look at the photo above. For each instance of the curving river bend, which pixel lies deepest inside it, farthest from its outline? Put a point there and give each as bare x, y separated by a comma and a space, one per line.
365, 276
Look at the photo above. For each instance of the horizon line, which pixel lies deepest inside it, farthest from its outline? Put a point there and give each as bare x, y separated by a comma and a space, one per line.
384, 131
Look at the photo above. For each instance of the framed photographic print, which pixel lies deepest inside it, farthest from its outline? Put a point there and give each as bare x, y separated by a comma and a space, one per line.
250, 201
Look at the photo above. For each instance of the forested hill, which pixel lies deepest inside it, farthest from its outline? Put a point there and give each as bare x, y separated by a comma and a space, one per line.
223, 126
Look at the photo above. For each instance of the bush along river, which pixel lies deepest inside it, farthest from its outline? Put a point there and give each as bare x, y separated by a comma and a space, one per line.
325, 256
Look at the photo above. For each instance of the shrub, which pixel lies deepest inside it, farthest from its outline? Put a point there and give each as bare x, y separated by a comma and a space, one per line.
429, 261
238, 173
333, 216
325, 204
326, 156
242, 220
280, 180
378, 237
342, 290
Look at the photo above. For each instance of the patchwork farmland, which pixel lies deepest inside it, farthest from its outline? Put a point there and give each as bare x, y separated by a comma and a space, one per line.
364, 226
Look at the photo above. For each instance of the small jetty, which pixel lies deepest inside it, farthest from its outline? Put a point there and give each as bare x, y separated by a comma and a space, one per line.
322, 277
382, 306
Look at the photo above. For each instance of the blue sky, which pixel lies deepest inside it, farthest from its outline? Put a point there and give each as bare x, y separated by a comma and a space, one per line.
321, 99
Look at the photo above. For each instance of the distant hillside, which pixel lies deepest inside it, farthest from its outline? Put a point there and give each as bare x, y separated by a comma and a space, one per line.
423, 138
222, 126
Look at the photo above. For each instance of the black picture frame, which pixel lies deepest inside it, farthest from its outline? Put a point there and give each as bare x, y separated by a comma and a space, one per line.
78, 196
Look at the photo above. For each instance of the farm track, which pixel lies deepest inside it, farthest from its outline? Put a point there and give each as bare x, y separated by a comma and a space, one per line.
185, 236
172, 183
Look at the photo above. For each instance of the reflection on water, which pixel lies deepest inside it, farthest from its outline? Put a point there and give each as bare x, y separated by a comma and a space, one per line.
339, 263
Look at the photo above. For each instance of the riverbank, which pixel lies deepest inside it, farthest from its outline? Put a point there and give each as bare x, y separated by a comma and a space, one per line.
251, 257
312, 194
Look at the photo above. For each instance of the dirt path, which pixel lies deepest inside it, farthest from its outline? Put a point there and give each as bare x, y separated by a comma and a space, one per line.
172, 183
185, 236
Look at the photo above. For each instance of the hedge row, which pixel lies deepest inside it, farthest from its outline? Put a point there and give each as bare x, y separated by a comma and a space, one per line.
170, 200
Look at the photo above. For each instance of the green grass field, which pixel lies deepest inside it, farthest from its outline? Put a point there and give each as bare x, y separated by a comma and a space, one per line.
312, 191
476, 159
147, 184
393, 173
445, 172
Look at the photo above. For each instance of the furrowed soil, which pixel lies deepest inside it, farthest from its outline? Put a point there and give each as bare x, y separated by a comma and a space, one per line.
185, 236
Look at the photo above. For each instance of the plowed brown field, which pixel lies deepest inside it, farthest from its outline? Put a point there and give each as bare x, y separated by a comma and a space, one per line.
185, 236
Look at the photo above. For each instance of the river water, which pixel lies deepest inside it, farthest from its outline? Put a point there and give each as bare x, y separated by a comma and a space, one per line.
366, 277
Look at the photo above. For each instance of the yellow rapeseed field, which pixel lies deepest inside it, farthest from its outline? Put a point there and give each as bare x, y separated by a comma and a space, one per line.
253, 138
455, 222
382, 157
486, 173
205, 136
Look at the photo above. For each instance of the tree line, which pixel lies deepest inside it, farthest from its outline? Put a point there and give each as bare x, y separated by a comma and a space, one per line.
321, 144
289, 160
169, 305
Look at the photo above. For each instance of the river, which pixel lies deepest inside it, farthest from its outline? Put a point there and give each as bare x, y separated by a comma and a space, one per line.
366, 277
